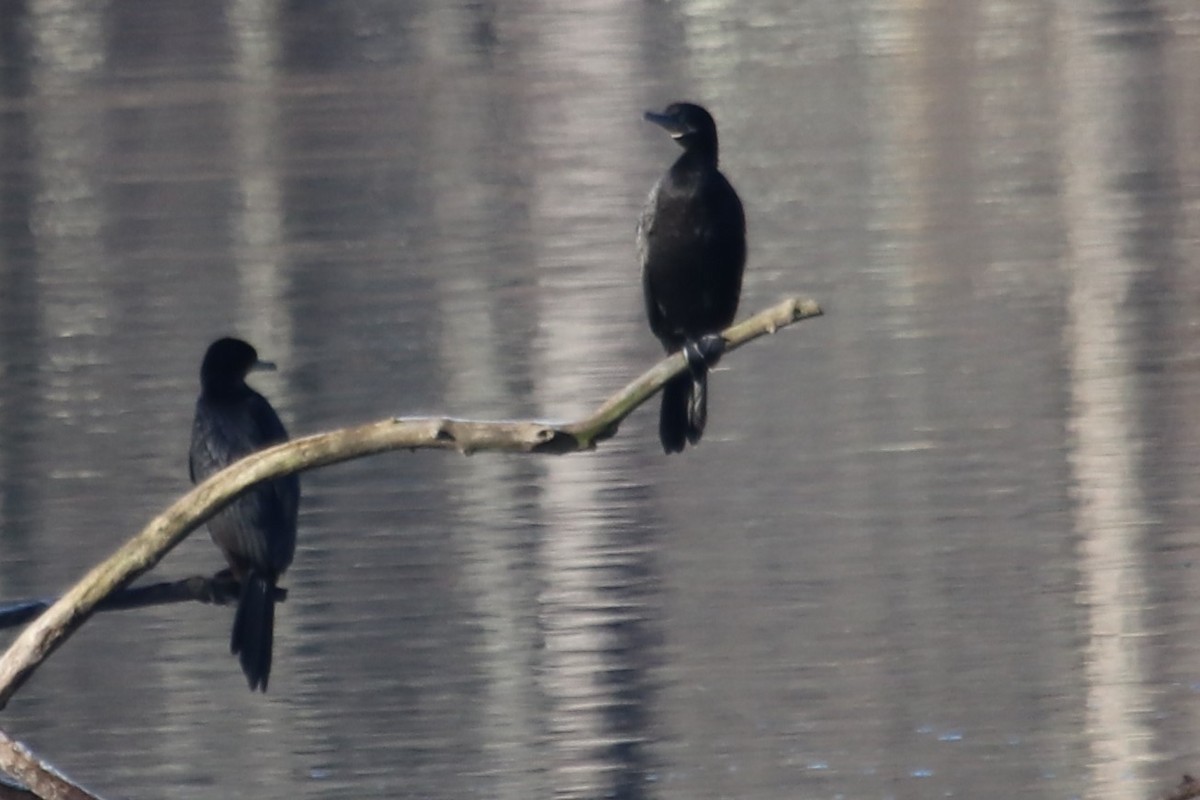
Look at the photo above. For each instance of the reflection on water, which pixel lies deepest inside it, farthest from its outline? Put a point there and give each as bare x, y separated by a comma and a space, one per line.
1112, 515
938, 543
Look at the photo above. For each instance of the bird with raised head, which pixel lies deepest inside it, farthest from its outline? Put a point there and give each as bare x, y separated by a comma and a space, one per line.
692, 242
257, 531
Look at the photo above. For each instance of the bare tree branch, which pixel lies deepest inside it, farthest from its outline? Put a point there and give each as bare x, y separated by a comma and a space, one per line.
41, 779
44, 635
11, 790
220, 589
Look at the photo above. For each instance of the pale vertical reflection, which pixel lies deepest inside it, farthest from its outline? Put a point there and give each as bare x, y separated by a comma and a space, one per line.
895, 149
1183, 98
576, 354
1110, 513
67, 52
472, 358
486, 489
1184, 92
262, 274
261, 319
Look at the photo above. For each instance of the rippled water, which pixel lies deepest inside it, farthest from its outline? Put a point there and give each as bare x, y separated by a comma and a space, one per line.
940, 542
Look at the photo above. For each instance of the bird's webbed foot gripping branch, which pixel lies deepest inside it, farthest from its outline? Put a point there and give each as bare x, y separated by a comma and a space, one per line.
140, 553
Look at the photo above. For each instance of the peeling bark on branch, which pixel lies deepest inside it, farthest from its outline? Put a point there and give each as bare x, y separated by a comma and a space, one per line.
40, 778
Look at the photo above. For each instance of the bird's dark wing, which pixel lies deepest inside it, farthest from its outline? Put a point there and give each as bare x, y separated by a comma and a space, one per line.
645, 226
646, 236
723, 223
723, 233
215, 444
278, 501
261, 524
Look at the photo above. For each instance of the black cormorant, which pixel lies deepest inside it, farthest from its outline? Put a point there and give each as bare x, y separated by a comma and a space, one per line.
257, 531
692, 241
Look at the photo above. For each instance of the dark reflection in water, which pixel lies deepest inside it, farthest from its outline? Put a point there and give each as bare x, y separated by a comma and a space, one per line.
19, 344
938, 543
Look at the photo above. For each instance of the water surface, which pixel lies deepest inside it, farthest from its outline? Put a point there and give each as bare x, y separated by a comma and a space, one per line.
938, 543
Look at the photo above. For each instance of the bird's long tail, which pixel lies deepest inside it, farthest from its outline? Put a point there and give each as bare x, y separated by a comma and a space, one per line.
254, 629
684, 410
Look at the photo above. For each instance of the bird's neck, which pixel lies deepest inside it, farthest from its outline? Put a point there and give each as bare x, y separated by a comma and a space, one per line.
226, 391
692, 164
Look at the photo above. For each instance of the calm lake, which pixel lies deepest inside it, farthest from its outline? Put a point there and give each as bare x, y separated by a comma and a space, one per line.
942, 542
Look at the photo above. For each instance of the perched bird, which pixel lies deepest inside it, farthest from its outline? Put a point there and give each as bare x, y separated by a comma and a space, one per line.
692, 242
257, 531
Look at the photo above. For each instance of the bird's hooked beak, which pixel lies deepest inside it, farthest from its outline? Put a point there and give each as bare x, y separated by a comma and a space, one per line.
263, 366
671, 123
